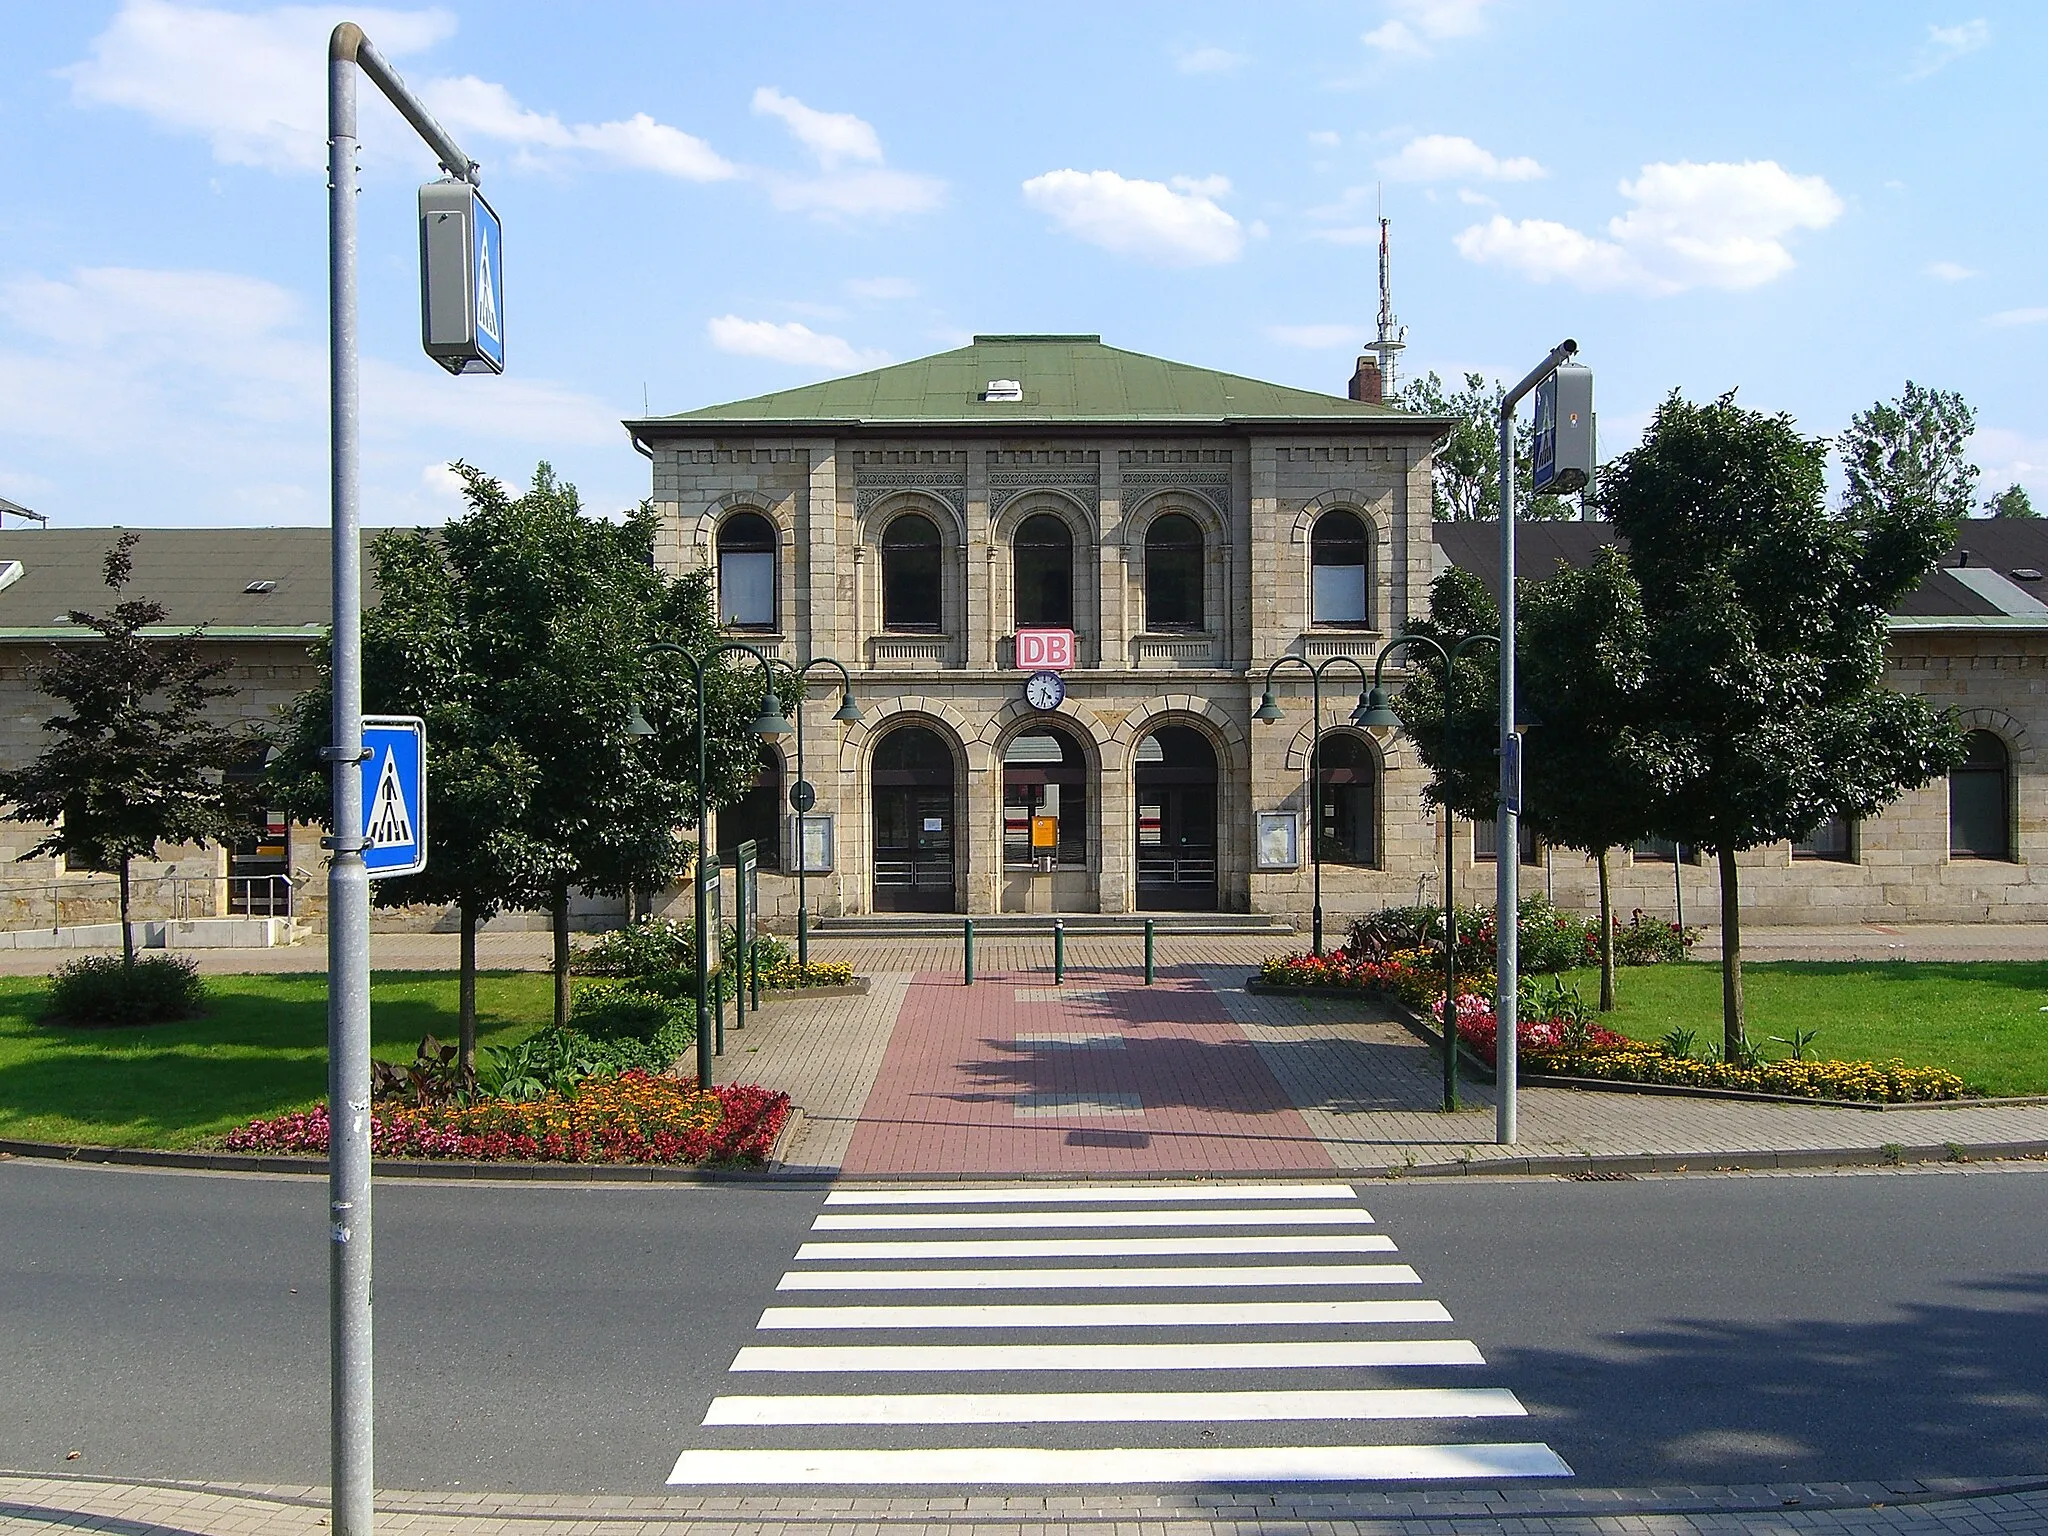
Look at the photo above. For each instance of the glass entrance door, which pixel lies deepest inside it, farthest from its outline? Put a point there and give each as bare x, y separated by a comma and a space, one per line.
1176, 784
913, 823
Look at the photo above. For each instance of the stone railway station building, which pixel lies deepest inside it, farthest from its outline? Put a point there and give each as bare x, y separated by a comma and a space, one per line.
1190, 528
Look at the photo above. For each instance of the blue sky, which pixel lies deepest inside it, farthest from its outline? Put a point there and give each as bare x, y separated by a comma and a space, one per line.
1812, 202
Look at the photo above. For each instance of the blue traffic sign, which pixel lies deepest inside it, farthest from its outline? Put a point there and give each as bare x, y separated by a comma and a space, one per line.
490, 286
394, 770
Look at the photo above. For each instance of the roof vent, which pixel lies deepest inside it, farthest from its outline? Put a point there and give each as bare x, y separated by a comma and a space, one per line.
2024, 573
10, 572
261, 584
1003, 389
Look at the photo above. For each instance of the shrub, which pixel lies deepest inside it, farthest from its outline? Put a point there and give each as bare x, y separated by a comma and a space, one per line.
555, 1060
639, 950
619, 1010
1651, 941
435, 1077
99, 989
633, 1118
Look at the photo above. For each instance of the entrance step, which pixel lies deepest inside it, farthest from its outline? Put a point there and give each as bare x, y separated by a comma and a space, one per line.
921, 925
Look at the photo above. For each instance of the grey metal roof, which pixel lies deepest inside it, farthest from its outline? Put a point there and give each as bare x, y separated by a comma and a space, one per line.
2011, 554
200, 574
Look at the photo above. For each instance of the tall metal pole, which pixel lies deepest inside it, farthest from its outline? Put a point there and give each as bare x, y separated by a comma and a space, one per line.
1315, 795
351, 1447
1508, 856
803, 904
350, 1385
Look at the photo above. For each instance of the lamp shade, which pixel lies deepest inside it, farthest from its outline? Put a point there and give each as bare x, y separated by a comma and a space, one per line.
1269, 709
636, 723
848, 712
771, 721
1375, 713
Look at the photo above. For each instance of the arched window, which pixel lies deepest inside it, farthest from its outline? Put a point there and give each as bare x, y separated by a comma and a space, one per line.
1336, 560
1043, 568
1350, 816
756, 817
746, 572
910, 573
1045, 774
1979, 801
1173, 573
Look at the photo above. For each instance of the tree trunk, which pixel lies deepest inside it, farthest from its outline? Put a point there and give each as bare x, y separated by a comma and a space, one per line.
561, 915
465, 1006
1732, 1041
1606, 937
127, 933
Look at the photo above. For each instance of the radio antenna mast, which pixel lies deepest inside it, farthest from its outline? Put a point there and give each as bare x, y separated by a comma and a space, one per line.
1393, 336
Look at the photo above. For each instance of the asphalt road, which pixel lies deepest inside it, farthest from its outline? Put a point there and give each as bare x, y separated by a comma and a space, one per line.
1665, 1331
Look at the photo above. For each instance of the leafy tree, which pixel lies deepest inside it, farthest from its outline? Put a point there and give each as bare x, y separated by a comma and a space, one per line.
1588, 773
521, 632
417, 661
1907, 455
2013, 501
138, 760
1467, 485
1767, 625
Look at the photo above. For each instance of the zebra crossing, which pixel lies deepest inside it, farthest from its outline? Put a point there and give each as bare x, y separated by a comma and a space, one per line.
1273, 1352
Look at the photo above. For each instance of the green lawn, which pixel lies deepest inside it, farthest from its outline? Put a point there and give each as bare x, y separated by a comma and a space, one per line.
260, 1051
1981, 1019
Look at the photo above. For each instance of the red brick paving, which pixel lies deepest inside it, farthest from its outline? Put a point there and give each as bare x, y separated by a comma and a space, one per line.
947, 1097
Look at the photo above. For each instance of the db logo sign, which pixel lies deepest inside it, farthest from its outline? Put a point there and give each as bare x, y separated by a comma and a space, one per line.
1045, 650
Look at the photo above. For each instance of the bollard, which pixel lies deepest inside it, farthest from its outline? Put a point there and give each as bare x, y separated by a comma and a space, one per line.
967, 953
1059, 951
1150, 935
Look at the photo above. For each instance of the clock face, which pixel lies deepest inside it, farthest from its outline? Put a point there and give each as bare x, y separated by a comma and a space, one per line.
1045, 690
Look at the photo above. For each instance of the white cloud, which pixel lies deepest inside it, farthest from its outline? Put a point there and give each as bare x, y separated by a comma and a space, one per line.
1944, 45
1172, 226
1325, 138
832, 136
1443, 157
254, 86
469, 107
881, 287
2008, 456
1414, 28
789, 342
1476, 199
1716, 225
2011, 317
868, 190
1951, 271
219, 382
1316, 337
1206, 61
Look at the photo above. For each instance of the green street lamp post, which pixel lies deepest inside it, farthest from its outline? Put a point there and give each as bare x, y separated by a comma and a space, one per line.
848, 713
769, 724
1378, 714
1269, 711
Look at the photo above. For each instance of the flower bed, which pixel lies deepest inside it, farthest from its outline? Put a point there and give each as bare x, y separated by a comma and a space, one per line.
1890, 1082
635, 1117
786, 974
1535, 1039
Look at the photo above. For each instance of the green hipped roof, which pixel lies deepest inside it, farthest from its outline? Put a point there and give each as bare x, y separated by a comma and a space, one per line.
1064, 379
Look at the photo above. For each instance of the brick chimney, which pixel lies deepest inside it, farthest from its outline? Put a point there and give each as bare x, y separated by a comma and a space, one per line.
1365, 382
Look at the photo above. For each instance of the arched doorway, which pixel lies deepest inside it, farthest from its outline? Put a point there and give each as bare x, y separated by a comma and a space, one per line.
1176, 784
913, 821
1045, 791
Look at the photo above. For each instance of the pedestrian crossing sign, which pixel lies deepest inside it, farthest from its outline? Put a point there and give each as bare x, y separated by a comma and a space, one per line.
394, 775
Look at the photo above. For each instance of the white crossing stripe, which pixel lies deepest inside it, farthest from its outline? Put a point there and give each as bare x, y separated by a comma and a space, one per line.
1034, 1465
1121, 1407
1099, 1248
1181, 1314
933, 1221
1096, 1279
1291, 1355
1090, 1194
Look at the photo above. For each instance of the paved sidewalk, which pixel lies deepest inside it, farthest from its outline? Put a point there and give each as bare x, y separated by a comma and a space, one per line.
945, 1079
31, 1506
